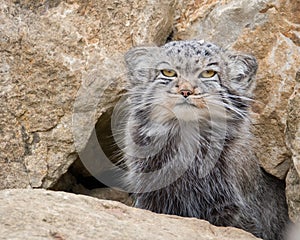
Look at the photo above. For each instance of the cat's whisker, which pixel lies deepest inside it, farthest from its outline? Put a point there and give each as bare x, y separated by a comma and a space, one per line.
239, 97
218, 103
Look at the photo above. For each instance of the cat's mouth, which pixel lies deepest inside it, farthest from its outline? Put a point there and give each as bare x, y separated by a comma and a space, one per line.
191, 102
185, 104
186, 109
195, 101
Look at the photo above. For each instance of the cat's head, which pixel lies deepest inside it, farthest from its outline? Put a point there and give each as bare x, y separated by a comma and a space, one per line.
191, 80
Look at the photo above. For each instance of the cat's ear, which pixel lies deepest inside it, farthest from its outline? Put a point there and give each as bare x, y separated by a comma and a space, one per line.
242, 70
139, 62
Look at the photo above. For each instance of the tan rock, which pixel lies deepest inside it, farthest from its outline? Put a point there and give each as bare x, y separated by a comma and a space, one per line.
61, 70
50, 53
221, 22
41, 214
279, 63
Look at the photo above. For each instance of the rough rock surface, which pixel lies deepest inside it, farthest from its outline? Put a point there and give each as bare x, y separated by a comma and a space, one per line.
61, 70
42, 214
51, 52
293, 140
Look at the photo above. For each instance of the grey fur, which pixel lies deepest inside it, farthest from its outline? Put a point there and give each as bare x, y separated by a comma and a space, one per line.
212, 172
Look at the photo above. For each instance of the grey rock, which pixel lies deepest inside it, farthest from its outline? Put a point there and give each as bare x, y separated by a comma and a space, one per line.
293, 142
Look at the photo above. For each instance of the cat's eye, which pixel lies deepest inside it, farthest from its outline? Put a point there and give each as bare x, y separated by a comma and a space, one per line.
208, 74
169, 73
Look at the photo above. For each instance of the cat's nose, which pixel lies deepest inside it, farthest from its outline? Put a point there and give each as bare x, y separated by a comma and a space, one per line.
185, 92
185, 88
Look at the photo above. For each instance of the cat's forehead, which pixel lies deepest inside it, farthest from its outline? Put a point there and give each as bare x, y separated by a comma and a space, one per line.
191, 49
188, 55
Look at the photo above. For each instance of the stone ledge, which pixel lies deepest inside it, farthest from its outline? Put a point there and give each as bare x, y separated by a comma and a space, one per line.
43, 214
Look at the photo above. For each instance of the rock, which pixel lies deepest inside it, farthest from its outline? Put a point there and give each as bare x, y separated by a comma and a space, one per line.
268, 30
292, 194
293, 124
42, 214
293, 141
221, 22
105, 193
61, 72
57, 59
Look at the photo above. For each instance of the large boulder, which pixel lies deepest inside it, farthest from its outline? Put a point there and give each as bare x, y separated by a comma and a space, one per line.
61, 73
56, 54
42, 214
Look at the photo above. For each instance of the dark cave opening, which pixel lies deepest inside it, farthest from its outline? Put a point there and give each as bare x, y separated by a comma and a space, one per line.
78, 178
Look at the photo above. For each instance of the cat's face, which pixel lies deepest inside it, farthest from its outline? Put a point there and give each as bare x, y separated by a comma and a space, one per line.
190, 80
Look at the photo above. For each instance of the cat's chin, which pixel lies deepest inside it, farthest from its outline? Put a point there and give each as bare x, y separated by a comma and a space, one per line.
180, 111
186, 112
